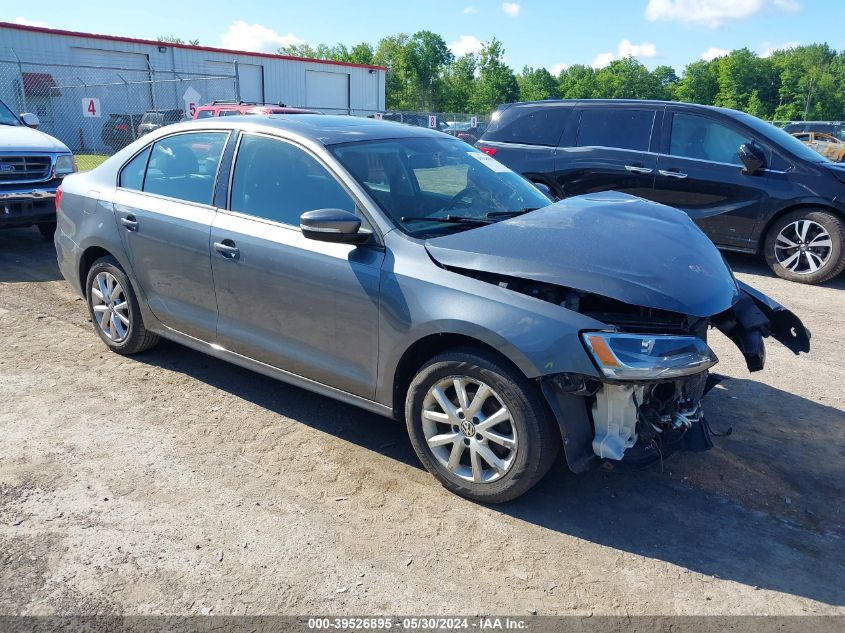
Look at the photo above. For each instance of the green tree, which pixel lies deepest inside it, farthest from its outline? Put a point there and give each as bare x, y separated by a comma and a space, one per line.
536, 84
577, 82
667, 79
459, 83
699, 84
496, 83
393, 53
626, 78
172, 39
427, 57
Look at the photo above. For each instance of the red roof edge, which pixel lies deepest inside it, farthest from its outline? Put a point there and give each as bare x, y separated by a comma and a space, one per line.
211, 49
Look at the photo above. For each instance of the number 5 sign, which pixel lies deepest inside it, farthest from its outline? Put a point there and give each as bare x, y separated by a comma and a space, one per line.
91, 107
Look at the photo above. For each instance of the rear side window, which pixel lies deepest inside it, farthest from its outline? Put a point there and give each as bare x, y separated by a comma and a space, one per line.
184, 166
278, 181
616, 127
132, 175
528, 125
205, 114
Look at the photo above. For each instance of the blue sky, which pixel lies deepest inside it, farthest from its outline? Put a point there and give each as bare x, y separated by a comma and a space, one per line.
535, 32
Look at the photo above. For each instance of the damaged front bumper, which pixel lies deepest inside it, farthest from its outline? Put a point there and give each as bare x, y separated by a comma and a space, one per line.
636, 415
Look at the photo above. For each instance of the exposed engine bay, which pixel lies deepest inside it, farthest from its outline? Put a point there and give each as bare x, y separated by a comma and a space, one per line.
637, 423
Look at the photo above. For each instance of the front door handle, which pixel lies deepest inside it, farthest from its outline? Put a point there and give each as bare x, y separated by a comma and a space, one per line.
672, 173
638, 169
130, 222
227, 249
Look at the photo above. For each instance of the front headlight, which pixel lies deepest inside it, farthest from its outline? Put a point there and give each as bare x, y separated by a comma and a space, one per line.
65, 165
648, 356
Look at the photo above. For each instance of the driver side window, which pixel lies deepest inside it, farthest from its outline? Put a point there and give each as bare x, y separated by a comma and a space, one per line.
699, 137
278, 181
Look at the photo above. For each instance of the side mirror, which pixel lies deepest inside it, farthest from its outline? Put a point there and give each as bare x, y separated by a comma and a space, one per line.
544, 189
751, 159
30, 120
333, 225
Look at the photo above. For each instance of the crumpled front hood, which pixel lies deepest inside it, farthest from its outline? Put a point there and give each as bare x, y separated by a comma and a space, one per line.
25, 139
610, 244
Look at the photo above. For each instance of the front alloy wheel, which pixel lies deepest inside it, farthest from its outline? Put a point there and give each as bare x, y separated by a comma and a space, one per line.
469, 429
479, 426
806, 246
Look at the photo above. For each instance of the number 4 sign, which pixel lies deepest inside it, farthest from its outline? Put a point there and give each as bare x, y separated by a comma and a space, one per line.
91, 107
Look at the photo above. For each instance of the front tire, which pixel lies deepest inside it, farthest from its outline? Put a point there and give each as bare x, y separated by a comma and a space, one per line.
114, 309
806, 246
480, 427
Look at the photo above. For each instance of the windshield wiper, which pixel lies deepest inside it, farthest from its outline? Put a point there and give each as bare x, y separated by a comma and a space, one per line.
450, 219
509, 214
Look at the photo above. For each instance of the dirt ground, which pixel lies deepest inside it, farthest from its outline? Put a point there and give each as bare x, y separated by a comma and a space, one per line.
173, 483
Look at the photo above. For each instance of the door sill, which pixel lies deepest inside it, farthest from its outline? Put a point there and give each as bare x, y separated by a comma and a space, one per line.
273, 372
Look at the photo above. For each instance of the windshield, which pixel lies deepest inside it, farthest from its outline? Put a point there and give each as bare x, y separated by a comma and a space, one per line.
430, 186
7, 117
782, 139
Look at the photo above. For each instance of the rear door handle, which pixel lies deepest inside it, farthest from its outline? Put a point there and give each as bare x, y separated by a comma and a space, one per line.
638, 169
672, 173
227, 249
130, 222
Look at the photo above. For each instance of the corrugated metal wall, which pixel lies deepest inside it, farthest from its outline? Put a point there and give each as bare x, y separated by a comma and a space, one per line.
133, 76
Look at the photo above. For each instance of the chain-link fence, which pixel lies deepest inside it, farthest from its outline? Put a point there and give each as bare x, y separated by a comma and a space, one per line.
96, 110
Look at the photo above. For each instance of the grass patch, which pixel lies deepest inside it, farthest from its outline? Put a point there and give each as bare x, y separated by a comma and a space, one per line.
87, 162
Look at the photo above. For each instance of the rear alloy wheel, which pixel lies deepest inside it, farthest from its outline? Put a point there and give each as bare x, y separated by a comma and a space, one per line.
114, 309
806, 246
480, 426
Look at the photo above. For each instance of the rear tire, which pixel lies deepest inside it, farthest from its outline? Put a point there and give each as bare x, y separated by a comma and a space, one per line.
492, 448
806, 246
47, 230
114, 309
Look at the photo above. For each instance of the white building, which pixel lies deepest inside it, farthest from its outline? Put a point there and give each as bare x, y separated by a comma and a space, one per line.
75, 81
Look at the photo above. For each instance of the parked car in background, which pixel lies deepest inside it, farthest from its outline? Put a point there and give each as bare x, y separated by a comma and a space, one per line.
154, 119
829, 146
119, 130
397, 269
834, 128
229, 108
750, 186
32, 165
463, 131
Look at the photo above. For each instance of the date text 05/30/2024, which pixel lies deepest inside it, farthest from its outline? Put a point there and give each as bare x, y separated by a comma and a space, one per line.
418, 623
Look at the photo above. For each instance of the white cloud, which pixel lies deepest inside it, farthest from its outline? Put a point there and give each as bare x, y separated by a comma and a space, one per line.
26, 22
558, 68
713, 13
469, 10
626, 48
511, 8
465, 44
603, 59
767, 48
712, 53
255, 37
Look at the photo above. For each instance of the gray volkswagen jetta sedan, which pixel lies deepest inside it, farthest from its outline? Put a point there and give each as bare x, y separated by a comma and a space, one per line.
401, 270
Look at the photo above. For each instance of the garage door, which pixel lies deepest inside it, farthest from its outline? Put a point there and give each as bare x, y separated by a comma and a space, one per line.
250, 79
327, 91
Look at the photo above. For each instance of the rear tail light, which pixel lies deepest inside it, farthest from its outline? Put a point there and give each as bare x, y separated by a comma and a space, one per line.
122, 127
490, 151
58, 198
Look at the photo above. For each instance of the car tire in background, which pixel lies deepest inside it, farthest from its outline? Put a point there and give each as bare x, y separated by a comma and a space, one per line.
479, 426
806, 246
47, 230
114, 309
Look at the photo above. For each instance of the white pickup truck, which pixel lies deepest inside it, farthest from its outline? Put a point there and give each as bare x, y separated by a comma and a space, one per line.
32, 165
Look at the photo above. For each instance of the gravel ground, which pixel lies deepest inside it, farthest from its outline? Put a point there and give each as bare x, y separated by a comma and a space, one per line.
173, 483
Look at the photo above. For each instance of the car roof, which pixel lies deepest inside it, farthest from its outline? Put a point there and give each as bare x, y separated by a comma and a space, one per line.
622, 103
326, 129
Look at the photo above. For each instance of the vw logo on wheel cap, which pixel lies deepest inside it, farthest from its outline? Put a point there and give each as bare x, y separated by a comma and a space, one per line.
467, 428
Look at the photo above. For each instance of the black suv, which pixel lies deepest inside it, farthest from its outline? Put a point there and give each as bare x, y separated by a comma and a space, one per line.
154, 119
750, 186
